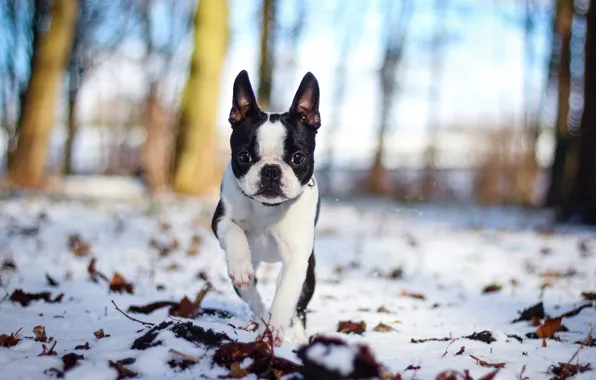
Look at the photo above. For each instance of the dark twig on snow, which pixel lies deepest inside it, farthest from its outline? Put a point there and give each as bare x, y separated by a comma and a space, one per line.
131, 318
449, 345
183, 355
583, 344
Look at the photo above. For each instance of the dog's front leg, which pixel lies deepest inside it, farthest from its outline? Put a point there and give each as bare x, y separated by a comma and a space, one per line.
286, 296
233, 241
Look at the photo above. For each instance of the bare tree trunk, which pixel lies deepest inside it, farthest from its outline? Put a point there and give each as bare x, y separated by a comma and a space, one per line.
558, 183
71, 123
155, 156
378, 179
37, 116
196, 168
266, 63
429, 175
582, 203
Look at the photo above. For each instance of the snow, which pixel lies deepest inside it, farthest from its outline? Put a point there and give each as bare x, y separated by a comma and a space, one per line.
339, 358
447, 253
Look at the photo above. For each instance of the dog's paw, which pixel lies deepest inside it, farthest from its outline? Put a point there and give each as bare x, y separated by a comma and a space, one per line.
241, 273
273, 334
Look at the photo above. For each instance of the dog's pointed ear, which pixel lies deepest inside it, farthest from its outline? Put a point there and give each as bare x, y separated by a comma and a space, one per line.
244, 103
306, 102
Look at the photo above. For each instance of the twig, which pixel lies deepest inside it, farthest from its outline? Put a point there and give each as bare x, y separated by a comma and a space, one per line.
131, 318
202, 294
449, 345
185, 356
583, 344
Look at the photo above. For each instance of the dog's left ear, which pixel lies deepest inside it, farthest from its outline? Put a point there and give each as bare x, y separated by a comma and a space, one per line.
306, 102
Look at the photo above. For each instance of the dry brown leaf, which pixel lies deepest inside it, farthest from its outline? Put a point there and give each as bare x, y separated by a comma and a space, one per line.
349, 327
549, 328
119, 284
40, 334
381, 327
93, 273
78, 246
26, 298
383, 309
535, 321
418, 296
543, 343
486, 364
493, 288
9, 340
99, 334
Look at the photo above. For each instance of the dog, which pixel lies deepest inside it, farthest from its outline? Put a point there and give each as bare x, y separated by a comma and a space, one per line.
269, 203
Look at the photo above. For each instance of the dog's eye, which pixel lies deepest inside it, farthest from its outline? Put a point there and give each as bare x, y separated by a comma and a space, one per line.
298, 158
244, 157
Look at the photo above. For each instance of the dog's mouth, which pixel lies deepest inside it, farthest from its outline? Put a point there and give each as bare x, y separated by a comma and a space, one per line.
270, 192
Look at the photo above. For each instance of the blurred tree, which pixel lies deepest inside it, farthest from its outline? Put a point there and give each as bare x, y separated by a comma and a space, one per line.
101, 27
162, 45
429, 172
561, 56
50, 58
581, 204
20, 28
266, 61
195, 166
396, 31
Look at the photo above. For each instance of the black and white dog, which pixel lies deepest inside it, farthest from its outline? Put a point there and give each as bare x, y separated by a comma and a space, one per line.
269, 202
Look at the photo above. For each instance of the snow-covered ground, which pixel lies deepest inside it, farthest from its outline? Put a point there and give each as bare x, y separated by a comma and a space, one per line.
419, 270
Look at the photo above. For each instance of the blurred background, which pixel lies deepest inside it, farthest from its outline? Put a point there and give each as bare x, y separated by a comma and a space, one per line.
488, 102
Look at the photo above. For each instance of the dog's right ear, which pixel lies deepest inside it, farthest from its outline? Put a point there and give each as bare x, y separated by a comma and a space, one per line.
244, 103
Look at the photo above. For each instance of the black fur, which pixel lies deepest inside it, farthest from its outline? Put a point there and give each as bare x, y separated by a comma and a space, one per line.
308, 289
219, 211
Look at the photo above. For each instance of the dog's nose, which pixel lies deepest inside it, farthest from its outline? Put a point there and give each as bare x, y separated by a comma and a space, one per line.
271, 172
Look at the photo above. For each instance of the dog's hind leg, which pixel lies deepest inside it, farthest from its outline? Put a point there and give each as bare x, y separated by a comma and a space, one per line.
251, 296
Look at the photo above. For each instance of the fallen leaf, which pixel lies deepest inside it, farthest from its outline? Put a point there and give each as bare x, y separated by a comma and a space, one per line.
589, 296
535, 321
533, 311
123, 372
461, 351
381, 327
405, 293
100, 334
195, 245
93, 273
567, 370
383, 309
549, 328
396, 274
483, 336
555, 275
492, 288
349, 327
119, 284
51, 281
483, 363
83, 346
543, 343
185, 309
71, 360
26, 298
40, 334
78, 246
10, 340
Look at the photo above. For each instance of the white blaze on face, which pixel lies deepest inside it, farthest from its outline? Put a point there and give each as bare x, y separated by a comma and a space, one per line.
271, 139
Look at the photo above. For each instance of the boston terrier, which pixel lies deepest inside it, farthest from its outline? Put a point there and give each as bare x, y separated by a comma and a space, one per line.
269, 203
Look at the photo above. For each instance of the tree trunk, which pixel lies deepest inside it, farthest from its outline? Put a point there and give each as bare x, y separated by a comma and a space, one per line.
37, 114
583, 200
267, 50
71, 130
196, 168
156, 150
558, 170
